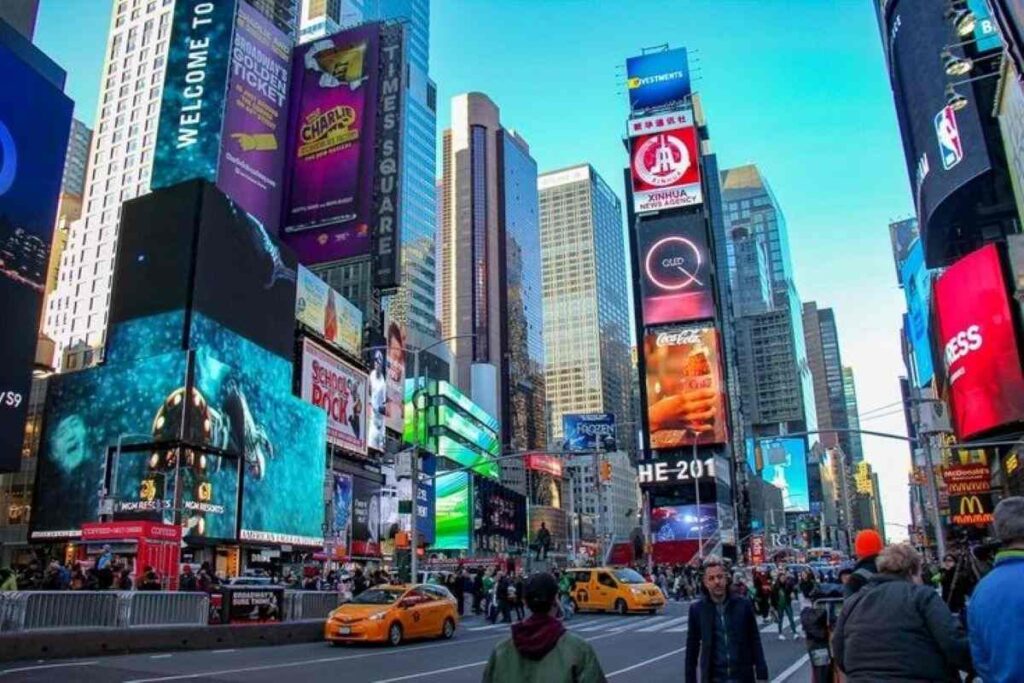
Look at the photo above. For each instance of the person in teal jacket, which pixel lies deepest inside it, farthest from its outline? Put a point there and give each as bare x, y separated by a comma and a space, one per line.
995, 612
540, 649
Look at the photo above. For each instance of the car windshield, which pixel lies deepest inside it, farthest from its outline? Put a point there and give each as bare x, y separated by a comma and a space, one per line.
628, 576
376, 596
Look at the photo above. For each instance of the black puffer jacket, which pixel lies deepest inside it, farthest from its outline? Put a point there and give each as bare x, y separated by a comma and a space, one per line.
896, 630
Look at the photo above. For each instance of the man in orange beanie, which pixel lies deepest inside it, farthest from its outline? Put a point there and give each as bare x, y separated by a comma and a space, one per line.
866, 547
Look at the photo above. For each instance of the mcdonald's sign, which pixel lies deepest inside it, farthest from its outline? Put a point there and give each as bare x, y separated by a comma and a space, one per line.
972, 510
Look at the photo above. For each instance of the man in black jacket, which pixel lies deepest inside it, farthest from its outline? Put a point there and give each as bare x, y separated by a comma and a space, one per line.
723, 638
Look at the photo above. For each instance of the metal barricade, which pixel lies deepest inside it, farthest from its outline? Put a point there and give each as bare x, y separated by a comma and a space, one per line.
300, 605
159, 608
33, 610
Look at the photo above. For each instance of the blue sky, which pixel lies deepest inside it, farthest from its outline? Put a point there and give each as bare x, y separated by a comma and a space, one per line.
796, 86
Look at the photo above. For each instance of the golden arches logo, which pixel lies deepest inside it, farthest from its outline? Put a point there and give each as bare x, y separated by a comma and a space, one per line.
971, 505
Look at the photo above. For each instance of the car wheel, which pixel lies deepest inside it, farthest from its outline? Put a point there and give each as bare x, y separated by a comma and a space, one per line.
395, 634
620, 606
448, 630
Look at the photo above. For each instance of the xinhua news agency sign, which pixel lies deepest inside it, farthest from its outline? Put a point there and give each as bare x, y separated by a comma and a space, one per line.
972, 510
965, 480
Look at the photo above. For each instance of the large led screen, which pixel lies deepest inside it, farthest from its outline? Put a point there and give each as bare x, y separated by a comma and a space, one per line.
366, 517
587, 431
916, 280
675, 269
87, 412
395, 415
658, 79
328, 313
664, 162
499, 517
339, 389
452, 512
253, 138
685, 389
341, 507
684, 522
34, 121
976, 333
782, 462
331, 149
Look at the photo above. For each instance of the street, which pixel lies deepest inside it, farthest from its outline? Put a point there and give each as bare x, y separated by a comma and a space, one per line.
634, 648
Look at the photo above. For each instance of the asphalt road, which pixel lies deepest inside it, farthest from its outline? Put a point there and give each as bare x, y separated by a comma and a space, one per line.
635, 648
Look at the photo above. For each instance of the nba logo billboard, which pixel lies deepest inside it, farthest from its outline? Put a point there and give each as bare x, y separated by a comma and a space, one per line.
948, 134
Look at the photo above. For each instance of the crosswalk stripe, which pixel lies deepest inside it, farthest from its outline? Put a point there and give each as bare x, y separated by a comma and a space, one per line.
658, 627
608, 624
653, 620
677, 629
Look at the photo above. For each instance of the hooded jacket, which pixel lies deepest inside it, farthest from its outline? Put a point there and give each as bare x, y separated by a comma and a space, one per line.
541, 651
995, 619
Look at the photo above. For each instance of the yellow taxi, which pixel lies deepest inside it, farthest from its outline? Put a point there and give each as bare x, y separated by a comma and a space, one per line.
392, 614
607, 589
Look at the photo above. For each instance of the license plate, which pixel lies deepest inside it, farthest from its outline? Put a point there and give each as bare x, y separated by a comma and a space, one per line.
344, 630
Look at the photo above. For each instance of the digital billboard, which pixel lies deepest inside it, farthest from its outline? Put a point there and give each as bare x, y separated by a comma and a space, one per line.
673, 469
499, 517
86, 412
340, 390
366, 517
685, 388
328, 313
664, 162
917, 287
35, 117
424, 503
675, 269
683, 522
903, 235
658, 79
395, 415
782, 462
330, 169
587, 431
945, 150
195, 82
252, 141
452, 511
341, 506
976, 333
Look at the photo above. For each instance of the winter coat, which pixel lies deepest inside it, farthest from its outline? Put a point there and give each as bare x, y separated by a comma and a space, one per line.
995, 620
862, 573
896, 630
542, 651
745, 651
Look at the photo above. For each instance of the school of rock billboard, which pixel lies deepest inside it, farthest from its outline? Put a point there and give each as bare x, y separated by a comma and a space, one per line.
685, 388
339, 389
664, 161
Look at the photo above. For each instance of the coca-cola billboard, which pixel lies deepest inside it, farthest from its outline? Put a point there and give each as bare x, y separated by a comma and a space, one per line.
685, 387
977, 339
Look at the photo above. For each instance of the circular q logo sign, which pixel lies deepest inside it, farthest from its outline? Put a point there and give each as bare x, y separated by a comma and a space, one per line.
673, 264
8, 159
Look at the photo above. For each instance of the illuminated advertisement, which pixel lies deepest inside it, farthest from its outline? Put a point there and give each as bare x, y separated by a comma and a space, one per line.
658, 79
252, 141
975, 331
499, 517
280, 438
195, 82
329, 189
903, 235
328, 313
675, 270
683, 522
782, 462
425, 521
34, 120
544, 473
341, 506
452, 512
664, 162
386, 233
86, 412
340, 390
587, 431
395, 409
366, 517
917, 287
945, 150
541, 462
145, 487
685, 390
671, 470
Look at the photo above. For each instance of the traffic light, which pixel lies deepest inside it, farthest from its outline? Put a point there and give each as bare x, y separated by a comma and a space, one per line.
606, 471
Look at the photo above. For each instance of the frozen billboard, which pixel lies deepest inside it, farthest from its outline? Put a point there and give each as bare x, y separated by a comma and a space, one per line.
328, 193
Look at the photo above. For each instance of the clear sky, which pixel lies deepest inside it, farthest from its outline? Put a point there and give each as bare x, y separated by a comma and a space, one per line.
797, 86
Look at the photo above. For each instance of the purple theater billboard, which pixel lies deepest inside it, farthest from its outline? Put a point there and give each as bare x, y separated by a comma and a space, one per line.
330, 152
252, 143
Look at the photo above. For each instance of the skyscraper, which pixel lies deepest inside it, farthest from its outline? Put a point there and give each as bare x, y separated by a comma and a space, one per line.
775, 385
121, 160
491, 273
852, 415
20, 15
586, 308
414, 303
